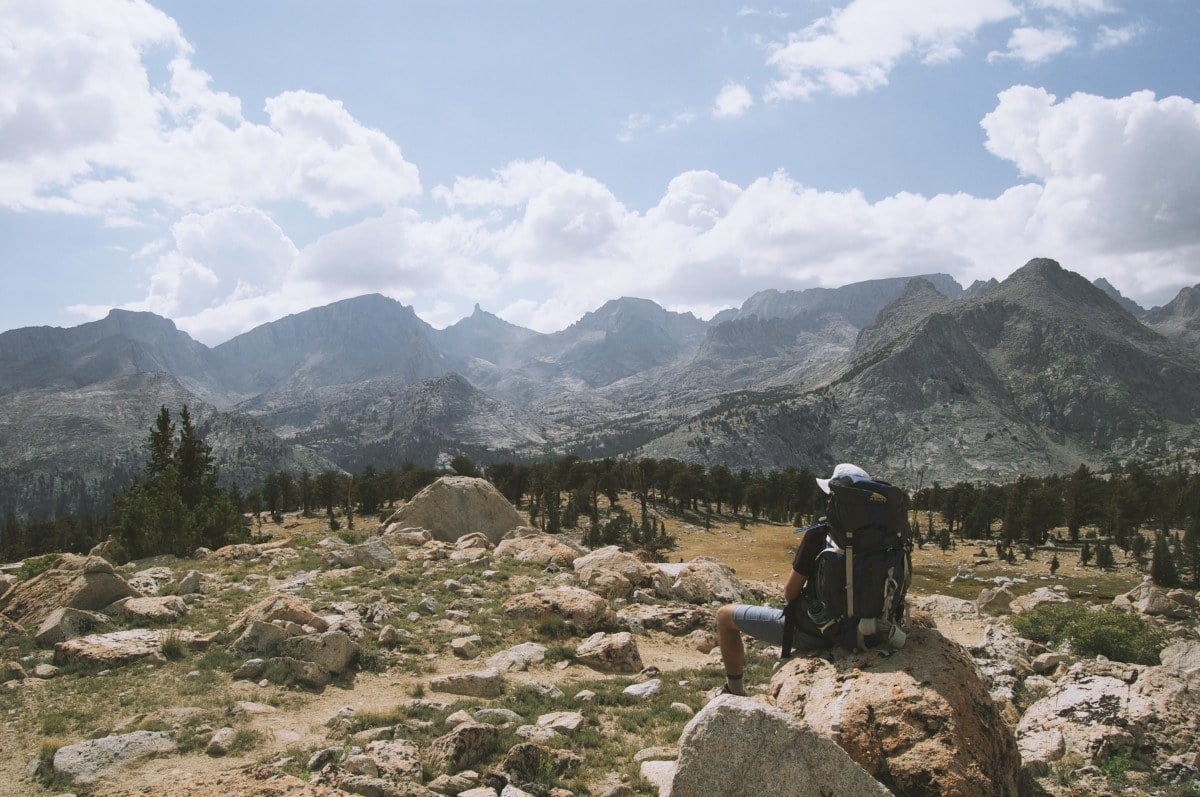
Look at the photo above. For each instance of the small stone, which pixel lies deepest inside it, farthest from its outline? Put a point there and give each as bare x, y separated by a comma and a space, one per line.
561, 720
467, 647
323, 758
249, 669
537, 734
644, 690
681, 709
585, 696
219, 743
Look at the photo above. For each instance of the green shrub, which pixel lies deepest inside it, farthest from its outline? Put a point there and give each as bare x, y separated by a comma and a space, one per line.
1115, 768
172, 646
1117, 635
37, 565
555, 627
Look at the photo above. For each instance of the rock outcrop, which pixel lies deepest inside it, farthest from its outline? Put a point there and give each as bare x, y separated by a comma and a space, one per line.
454, 506
586, 610
921, 720
76, 582
86, 762
1100, 710
743, 747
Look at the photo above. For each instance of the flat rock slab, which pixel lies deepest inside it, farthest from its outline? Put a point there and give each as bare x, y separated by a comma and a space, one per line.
86, 762
121, 647
483, 683
743, 747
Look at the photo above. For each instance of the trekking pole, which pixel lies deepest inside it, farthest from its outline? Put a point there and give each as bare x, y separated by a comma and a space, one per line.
849, 574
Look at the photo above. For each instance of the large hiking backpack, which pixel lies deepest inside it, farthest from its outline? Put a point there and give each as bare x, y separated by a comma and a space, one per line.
856, 593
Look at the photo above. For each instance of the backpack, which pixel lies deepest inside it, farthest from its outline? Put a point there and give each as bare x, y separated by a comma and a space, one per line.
856, 593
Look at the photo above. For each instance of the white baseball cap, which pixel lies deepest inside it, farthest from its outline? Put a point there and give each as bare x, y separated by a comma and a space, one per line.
844, 469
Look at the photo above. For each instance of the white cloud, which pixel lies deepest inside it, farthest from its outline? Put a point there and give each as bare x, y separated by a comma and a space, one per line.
85, 127
1119, 175
695, 199
1109, 190
733, 100
1108, 38
218, 257
681, 119
1075, 8
1034, 45
634, 124
402, 254
855, 48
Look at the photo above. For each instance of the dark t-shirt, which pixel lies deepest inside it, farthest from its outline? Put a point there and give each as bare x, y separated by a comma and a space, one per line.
811, 543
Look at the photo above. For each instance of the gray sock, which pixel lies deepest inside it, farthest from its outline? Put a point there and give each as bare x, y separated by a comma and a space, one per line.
733, 683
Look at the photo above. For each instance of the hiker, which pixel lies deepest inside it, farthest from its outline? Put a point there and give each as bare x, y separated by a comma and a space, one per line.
767, 623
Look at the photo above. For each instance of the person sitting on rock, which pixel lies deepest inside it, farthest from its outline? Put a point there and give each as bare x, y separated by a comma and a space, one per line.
766, 623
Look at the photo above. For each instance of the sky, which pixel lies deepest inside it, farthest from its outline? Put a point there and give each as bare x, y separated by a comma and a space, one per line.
225, 163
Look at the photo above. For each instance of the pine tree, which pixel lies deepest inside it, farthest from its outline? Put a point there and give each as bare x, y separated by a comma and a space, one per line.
179, 506
162, 443
1085, 554
1162, 565
1191, 550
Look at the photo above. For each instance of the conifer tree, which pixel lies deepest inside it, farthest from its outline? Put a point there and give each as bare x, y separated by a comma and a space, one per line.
1191, 550
179, 506
1162, 565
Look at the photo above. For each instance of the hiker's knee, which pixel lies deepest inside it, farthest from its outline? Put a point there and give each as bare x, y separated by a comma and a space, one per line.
725, 616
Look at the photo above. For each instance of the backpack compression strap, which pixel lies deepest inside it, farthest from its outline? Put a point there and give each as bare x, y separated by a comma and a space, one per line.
789, 627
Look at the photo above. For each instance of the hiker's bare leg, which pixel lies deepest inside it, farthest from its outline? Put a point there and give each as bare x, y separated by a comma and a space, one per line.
733, 652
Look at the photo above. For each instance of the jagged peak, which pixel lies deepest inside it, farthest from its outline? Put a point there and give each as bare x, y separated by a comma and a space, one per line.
1044, 281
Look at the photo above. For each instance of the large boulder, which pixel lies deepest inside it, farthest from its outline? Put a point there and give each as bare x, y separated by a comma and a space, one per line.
586, 610
529, 545
374, 554
86, 762
673, 620
486, 683
1183, 659
610, 652
76, 582
63, 624
454, 506
920, 720
1153, 601
122, 647
1039, 597
166, 609
703, 580
465, 745
275, 609
332, 651
742, 747
1100, 710
612, 572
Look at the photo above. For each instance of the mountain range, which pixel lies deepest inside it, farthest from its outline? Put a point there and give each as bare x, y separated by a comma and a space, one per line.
916, 378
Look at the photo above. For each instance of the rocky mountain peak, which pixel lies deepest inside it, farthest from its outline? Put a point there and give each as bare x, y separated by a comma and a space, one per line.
141, 325
617, 314
1179, 319
1114, 294
1045, 286
919, 300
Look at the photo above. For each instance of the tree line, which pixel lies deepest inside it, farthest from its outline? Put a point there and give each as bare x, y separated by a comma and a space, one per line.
177, 505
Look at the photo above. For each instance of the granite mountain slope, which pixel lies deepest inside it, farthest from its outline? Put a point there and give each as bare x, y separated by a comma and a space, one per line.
917, 375
1038, 374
